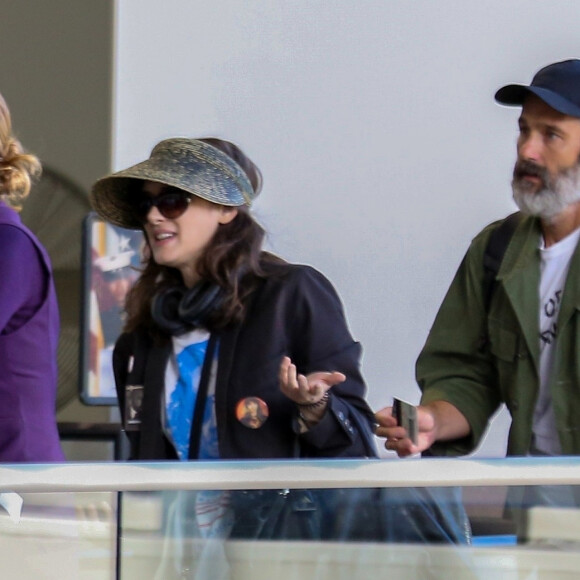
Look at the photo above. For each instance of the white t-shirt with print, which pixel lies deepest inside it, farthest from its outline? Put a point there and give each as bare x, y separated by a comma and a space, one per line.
554, 266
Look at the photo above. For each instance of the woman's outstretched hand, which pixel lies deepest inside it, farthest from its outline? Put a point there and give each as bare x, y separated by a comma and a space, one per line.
306, 389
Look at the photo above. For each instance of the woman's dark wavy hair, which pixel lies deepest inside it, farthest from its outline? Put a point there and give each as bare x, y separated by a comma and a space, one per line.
233, 260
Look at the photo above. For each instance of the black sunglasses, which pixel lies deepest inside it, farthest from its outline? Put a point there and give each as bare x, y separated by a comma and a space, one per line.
171, 205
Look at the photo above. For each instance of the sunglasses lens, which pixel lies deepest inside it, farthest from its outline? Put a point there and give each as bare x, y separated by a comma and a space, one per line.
143, 207
172, 205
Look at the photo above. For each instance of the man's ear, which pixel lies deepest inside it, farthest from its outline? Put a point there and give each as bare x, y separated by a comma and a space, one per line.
227, 214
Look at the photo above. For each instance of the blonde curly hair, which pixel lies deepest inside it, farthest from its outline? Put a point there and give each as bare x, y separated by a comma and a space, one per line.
17, 168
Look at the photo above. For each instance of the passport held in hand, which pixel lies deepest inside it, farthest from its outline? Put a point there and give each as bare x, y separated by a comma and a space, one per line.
406, 415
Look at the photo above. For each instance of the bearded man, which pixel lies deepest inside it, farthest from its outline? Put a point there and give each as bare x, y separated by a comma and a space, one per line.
530, 358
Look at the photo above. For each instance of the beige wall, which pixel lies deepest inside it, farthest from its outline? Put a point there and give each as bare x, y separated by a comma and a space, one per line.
56, 75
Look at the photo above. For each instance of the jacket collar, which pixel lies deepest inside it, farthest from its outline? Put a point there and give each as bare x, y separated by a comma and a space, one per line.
8, 215
520, 276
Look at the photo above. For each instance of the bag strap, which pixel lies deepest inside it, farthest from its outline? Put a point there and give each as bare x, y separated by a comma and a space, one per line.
201, 398
494, 252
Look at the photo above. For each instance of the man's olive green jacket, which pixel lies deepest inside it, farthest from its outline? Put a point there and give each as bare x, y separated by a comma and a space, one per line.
476, 362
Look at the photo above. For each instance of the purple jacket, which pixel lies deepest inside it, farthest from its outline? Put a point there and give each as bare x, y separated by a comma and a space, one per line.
29, 329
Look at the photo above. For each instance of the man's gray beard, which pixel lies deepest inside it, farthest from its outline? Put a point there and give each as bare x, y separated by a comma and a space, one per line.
561, 192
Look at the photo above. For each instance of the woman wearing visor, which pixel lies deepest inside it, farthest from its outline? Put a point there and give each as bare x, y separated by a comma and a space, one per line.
215, 324
214, 320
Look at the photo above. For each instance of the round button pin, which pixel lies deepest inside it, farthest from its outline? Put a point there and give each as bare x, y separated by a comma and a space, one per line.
252, 412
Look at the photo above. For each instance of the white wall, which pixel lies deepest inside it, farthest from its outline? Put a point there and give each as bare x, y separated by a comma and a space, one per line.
373, 122
55, 66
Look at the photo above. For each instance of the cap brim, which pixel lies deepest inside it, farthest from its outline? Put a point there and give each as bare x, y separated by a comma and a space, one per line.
512, 95
515, 95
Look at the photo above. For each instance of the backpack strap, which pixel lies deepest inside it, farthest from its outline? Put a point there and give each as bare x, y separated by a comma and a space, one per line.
494, 253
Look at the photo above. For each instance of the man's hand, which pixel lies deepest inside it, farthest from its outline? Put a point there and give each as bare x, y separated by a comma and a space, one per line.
436, 421
397, 438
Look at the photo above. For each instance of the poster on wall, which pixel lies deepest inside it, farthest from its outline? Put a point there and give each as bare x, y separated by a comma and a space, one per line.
111, 262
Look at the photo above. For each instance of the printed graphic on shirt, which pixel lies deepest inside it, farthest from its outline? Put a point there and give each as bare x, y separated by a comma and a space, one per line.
182, 399
214, 516
550, 310
182, 381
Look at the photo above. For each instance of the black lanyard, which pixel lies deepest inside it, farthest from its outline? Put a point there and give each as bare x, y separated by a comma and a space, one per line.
200, 401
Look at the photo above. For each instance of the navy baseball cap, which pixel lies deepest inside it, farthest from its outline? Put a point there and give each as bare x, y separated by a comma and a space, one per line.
558, 85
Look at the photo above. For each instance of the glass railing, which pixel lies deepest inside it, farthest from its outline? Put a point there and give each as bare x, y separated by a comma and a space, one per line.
327, 519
